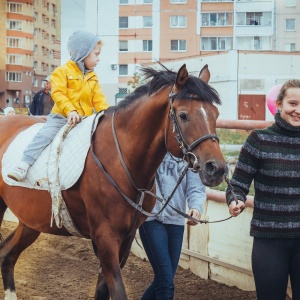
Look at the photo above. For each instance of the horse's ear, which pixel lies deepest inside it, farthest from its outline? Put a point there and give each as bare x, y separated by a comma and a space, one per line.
182, 77
204, 74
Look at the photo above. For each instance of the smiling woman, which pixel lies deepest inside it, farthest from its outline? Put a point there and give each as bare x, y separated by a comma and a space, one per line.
271, 157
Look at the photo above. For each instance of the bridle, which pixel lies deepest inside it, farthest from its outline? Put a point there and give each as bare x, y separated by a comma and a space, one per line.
183, 145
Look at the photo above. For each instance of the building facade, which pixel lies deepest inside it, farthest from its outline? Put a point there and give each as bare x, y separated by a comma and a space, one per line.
148, 31
30, 48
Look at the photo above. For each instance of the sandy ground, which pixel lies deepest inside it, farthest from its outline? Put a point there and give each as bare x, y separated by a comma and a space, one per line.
63, 268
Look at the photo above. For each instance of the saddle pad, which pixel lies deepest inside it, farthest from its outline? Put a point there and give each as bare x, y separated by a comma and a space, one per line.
71, 159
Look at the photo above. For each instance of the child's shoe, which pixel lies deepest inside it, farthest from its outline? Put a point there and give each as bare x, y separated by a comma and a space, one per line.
19, 172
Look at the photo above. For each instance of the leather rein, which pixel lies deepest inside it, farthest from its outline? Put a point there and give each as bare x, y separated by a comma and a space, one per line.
186, 150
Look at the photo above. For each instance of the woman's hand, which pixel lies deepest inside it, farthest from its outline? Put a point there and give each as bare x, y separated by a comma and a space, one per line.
195, 214
236, 208
74, 117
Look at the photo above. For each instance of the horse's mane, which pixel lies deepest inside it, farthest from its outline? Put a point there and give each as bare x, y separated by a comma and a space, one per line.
158, 79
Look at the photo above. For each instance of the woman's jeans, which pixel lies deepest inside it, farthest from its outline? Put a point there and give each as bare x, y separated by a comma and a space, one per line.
162, 243
273, 260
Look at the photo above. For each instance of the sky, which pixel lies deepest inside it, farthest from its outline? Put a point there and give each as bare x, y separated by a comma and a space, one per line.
72, 19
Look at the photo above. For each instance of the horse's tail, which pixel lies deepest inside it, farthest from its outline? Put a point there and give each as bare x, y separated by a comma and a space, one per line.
3, 208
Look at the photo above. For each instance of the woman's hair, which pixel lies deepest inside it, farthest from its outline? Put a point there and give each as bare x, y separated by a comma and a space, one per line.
288, 84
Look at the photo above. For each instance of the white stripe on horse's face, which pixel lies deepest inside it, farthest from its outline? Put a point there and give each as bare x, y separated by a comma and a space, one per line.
202, 110
10, 295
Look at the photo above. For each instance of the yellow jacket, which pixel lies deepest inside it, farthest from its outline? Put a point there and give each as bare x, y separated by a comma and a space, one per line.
71, 90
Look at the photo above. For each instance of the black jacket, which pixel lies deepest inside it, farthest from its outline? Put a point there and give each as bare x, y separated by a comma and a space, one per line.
36, 106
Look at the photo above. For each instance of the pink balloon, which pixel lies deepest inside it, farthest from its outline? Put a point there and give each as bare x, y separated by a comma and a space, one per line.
272, 97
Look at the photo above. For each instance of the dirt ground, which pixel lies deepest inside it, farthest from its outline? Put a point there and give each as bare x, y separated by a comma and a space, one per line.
64, 268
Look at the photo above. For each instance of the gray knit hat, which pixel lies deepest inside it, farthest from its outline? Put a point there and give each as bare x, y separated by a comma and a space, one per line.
81, 43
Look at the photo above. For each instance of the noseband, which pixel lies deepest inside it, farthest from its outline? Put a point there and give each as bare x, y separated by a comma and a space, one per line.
184, 146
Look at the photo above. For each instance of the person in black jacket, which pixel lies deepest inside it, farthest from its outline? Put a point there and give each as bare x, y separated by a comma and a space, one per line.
42, 102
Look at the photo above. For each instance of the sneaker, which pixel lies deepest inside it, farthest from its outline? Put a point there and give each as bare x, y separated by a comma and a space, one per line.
19, 172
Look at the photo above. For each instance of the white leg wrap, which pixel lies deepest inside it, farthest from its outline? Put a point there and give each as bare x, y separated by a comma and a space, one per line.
10, 295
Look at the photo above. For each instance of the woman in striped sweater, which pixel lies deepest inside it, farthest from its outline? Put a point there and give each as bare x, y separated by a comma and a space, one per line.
271, 157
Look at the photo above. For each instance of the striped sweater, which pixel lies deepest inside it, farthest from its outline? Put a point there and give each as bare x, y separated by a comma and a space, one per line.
271, 157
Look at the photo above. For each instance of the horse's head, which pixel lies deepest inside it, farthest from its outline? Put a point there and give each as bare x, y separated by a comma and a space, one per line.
193, 116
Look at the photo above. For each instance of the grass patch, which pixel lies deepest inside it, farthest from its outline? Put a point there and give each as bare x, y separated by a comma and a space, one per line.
232, 136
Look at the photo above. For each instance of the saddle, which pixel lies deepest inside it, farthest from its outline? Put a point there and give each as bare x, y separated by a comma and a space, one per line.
58, 167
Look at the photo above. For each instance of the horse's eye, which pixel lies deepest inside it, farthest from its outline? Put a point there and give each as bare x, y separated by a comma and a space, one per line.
183, 116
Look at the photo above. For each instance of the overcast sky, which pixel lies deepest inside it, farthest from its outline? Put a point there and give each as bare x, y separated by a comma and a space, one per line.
73, 14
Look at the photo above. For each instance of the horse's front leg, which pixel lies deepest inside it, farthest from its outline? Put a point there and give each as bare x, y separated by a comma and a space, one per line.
110, 281
102, 291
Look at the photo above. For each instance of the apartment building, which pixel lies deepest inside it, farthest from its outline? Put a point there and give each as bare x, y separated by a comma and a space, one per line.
30, 48
139, 32
46, 32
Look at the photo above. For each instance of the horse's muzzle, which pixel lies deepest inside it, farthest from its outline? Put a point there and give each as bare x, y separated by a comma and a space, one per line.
212, 173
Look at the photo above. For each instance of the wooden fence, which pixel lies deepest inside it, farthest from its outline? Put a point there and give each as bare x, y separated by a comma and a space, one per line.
220, 251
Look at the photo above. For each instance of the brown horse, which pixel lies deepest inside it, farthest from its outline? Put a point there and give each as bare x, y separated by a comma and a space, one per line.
129, 151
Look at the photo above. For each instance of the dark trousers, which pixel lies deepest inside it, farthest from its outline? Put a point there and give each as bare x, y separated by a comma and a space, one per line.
273, 260
162, 243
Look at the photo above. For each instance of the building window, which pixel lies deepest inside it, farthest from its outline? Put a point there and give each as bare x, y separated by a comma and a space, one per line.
217, 19
13, 76
147, 21
53, 8
123, 46
123, 70
123, 22
147, 45
35, 49
53, 23
123, 1
216, 43
254, 18
44, 67
52, 39
44, 51
35, 83
14, 59
290, 24
35, 32
254, 43
36, 2
148, 1
178, 1
290, 3
45, 35
35, 16
14, 7
178, 21
14, 43
290, 47
51, 54
35, 65
52, 68
13, 25
178, 45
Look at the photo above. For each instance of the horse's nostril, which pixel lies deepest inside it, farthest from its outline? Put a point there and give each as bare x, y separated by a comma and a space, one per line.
211, 167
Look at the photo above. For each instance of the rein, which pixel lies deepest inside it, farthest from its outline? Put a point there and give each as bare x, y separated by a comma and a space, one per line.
185, 215
141, 192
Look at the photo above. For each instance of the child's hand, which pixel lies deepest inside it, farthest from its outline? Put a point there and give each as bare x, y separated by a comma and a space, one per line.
74, 117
